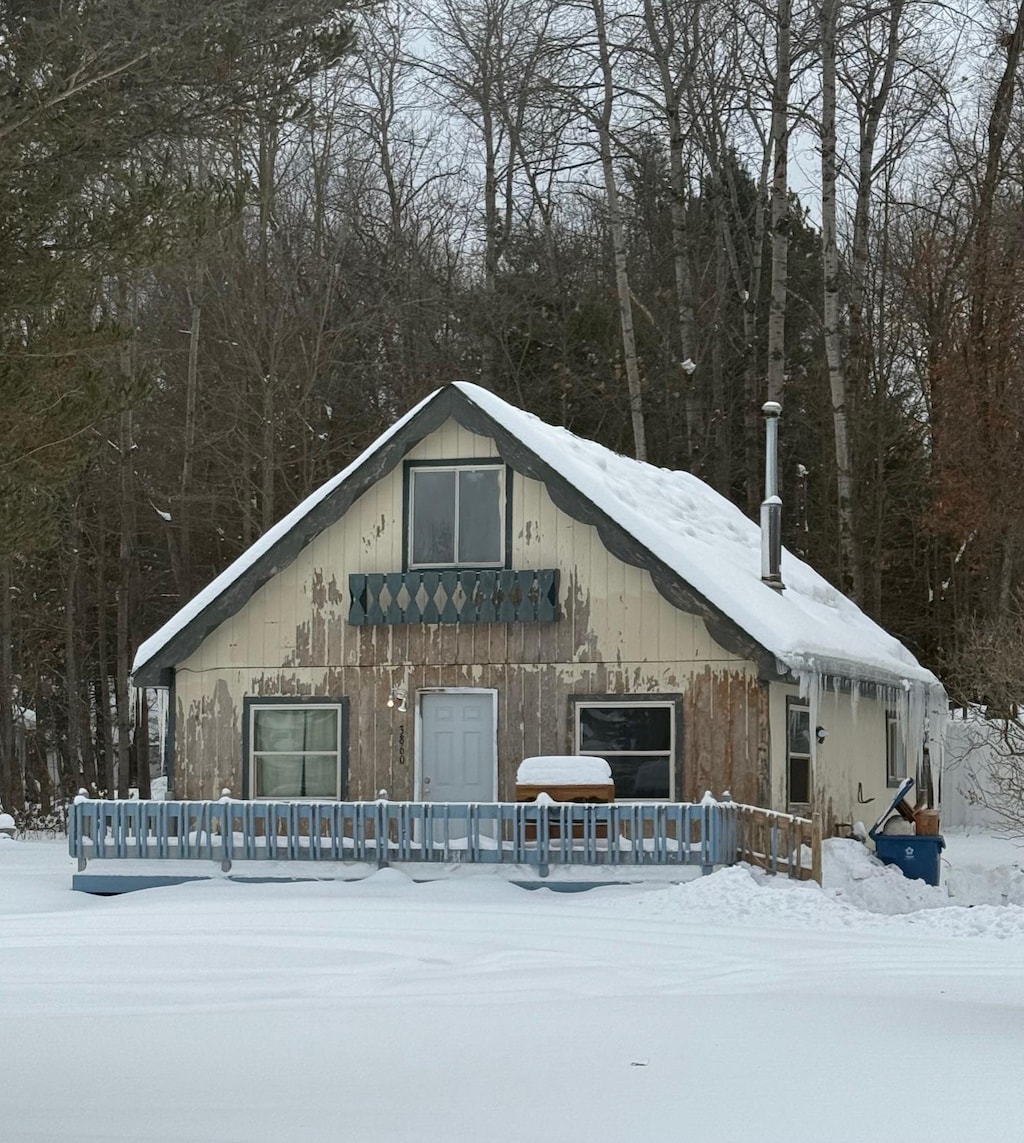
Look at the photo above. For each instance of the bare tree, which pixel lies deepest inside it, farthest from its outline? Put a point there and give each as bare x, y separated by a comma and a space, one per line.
780, 220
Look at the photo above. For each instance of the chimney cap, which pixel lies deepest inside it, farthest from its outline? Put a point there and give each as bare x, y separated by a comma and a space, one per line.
771, 408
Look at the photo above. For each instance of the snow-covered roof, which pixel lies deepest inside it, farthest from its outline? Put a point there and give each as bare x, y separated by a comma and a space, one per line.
710, 543
685, 525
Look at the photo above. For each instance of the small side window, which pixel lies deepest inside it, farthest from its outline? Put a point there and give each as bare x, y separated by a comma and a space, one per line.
895, 751
798, 753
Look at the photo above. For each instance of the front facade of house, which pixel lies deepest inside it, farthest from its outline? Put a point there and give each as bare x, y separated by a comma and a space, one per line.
454, 606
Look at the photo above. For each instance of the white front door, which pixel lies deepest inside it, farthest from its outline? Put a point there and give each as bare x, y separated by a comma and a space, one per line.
458, 755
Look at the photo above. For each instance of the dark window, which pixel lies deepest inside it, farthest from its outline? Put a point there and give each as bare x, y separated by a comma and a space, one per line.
456, 516
636, 739
295, 751
895, 752
798, 753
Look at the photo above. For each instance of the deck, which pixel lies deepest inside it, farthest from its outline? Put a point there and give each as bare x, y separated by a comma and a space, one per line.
615, 840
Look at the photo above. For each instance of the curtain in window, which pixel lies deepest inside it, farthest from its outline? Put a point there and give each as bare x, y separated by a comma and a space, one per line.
296, 752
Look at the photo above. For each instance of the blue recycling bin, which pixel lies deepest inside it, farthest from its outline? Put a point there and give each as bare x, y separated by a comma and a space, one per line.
914, 855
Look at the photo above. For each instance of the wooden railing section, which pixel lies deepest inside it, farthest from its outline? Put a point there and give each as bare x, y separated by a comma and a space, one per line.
778, 843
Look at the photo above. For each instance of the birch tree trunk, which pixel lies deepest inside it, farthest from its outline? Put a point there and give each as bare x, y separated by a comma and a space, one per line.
184, 562
124, 592
831, 301
71, 672
618, 235
104, 735
662, 40
780, 205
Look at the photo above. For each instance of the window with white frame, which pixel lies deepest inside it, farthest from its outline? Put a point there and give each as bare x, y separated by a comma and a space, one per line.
798, 753
636, 739
456, 516
295, 751
895, 751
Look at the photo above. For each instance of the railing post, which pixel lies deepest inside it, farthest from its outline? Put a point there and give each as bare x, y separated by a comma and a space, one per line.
816, 847
708, 833
76, 843
227, 831
381, 828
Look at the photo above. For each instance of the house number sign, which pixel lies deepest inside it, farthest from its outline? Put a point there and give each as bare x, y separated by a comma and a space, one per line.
401, 745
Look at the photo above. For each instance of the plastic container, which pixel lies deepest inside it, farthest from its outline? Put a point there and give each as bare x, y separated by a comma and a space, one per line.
915, 855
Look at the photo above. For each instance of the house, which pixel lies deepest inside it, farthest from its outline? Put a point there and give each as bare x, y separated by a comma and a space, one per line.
479, 587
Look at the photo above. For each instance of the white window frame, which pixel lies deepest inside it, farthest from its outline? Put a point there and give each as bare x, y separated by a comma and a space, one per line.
253, 753
799, 755
895, 751
500, 468
670, 753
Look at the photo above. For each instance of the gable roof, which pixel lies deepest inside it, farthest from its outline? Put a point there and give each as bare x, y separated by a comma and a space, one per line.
702, 552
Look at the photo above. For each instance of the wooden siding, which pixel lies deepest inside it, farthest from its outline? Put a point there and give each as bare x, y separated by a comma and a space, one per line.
617, 635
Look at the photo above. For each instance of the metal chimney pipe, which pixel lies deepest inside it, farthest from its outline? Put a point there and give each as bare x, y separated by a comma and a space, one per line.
771, 507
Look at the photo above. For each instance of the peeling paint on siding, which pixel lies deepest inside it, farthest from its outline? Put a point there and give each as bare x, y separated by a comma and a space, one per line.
211, 759
617, 634
726, 720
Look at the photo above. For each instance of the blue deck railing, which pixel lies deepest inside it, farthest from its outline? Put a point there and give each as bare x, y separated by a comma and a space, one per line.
382, 832
706, 834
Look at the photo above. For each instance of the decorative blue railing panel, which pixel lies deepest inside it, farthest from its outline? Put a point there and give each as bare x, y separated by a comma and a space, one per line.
382, 832
453, 596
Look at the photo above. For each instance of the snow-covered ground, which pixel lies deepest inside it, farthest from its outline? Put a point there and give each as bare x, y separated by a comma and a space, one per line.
734, 1007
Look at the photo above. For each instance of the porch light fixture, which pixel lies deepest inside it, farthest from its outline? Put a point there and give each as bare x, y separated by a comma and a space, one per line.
399, 697
820, 733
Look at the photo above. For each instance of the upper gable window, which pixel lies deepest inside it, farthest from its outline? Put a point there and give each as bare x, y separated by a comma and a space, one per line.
457, 516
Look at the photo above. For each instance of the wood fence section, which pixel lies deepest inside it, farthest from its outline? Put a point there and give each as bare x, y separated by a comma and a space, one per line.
779, 843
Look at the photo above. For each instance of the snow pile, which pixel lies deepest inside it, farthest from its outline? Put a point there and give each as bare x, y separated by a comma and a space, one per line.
563, 770
859, 893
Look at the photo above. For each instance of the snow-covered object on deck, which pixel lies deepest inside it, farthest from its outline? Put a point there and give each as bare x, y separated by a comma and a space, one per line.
563, 770
7, 827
